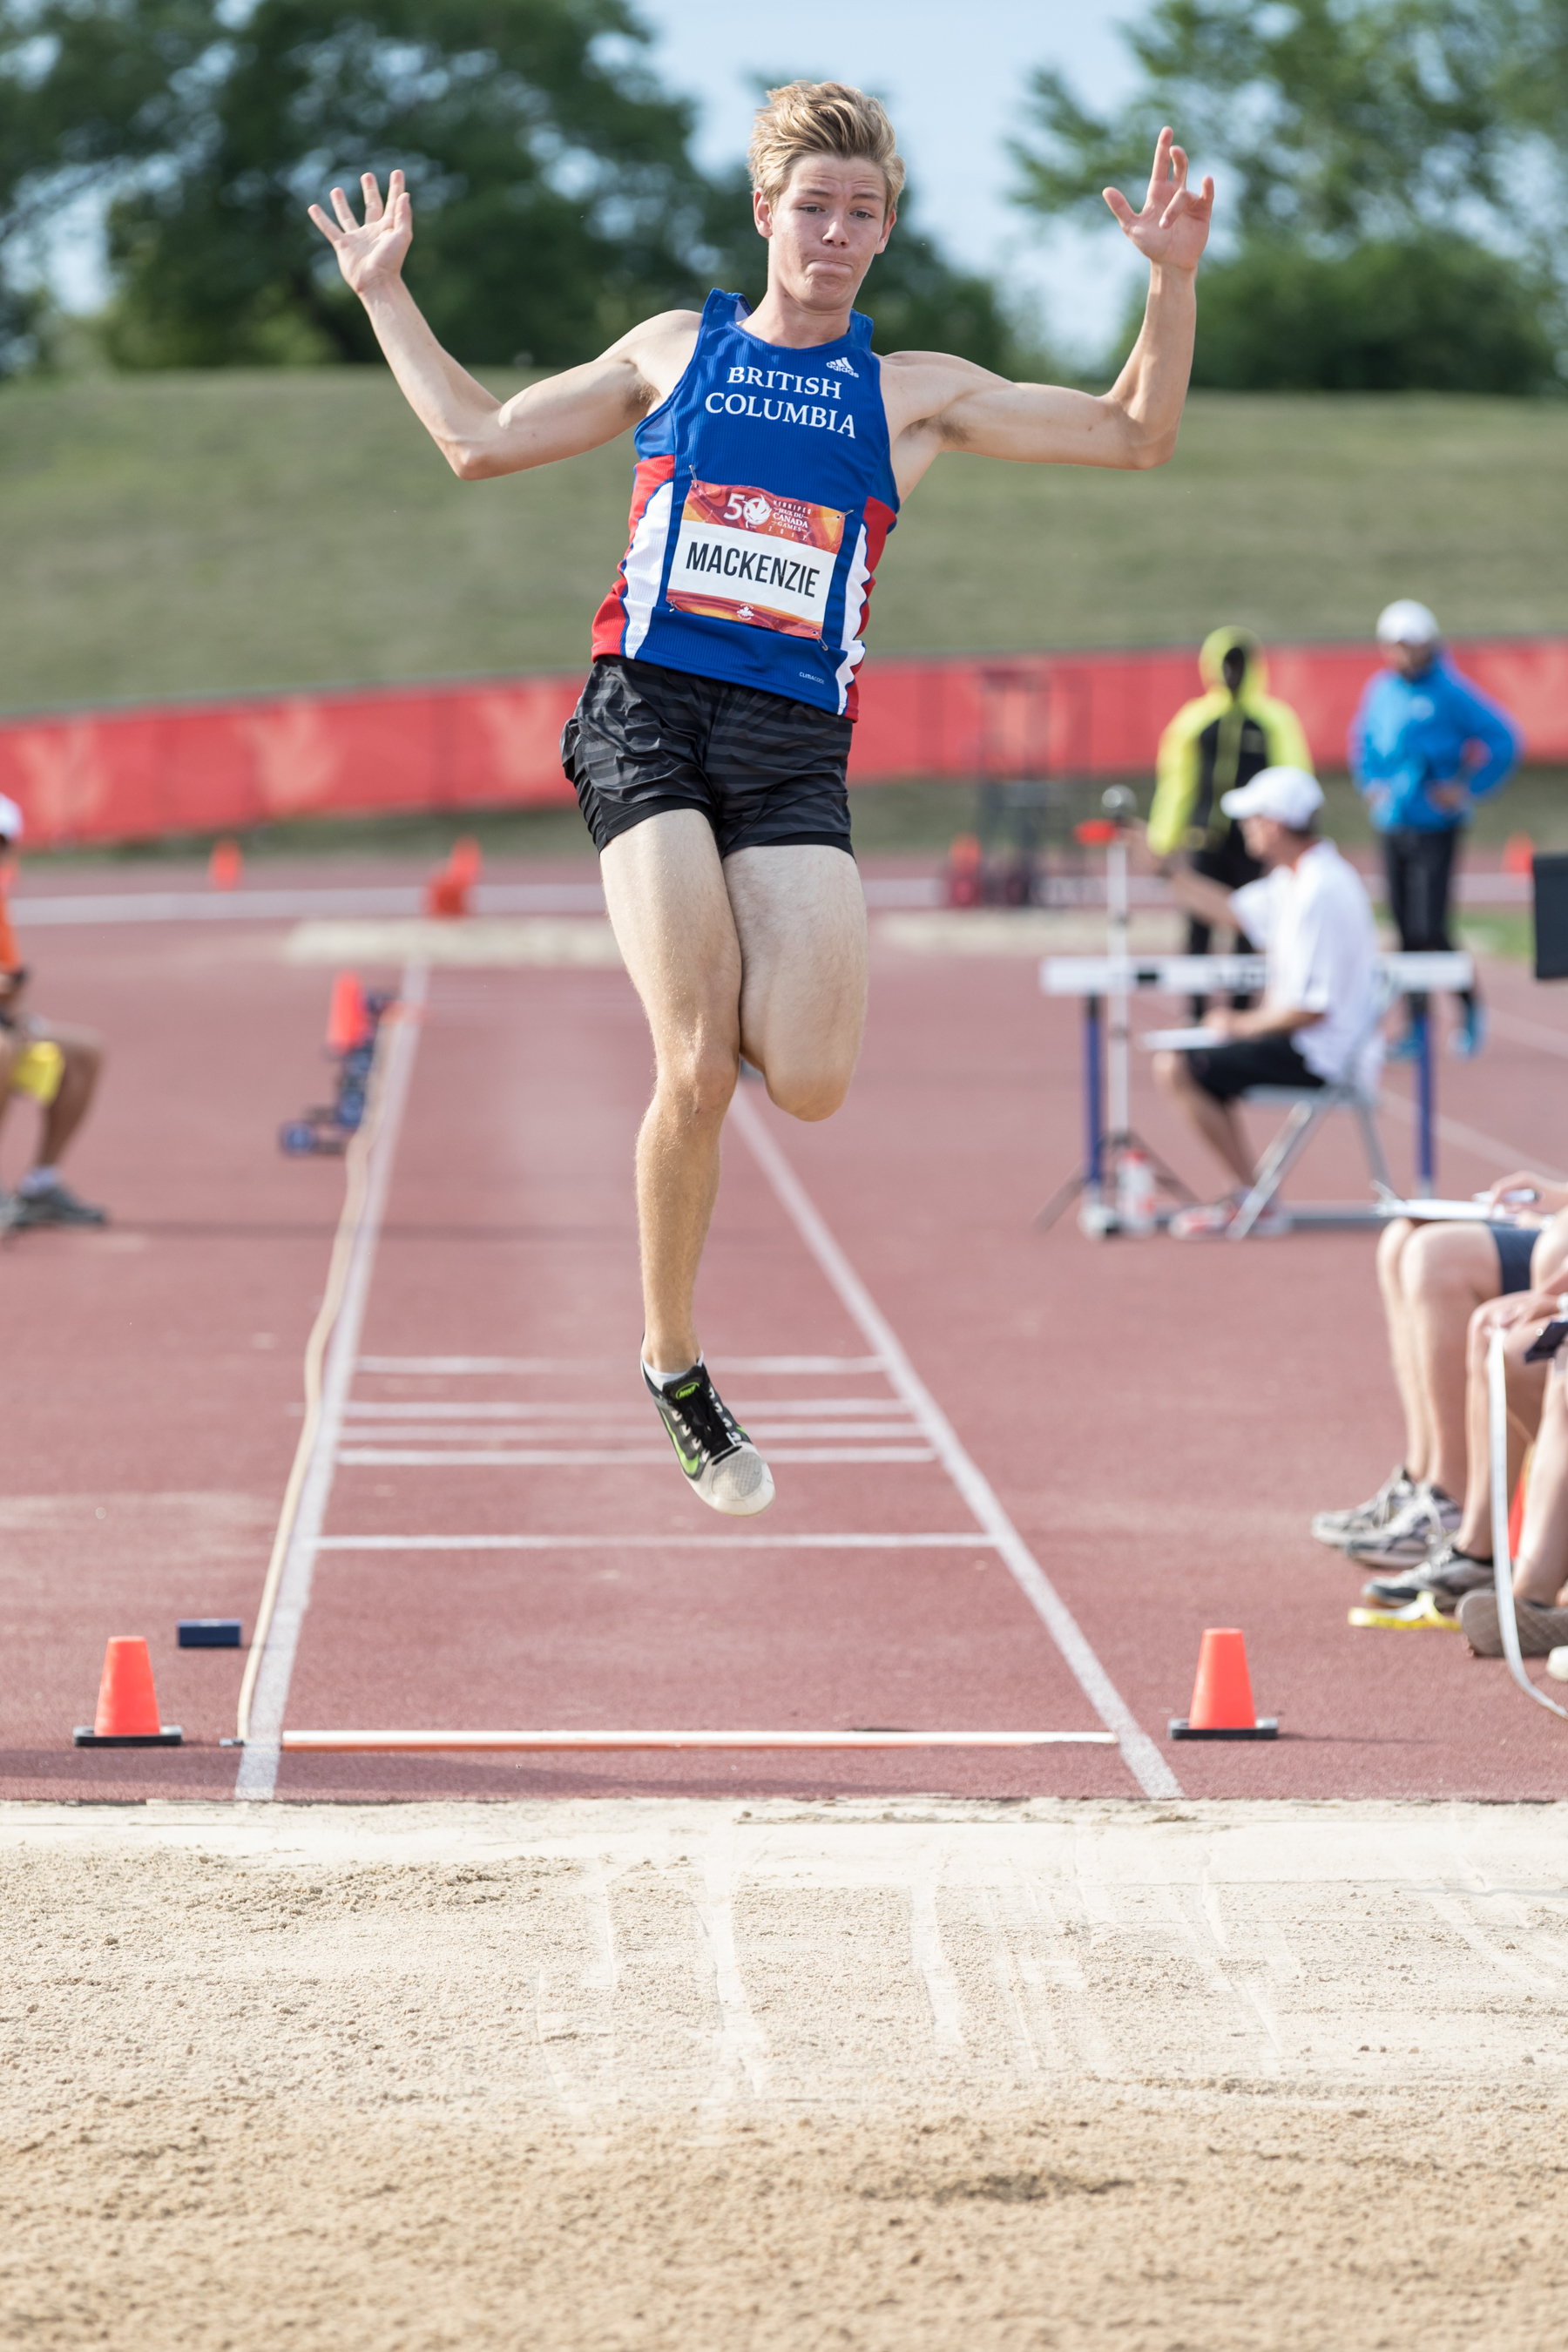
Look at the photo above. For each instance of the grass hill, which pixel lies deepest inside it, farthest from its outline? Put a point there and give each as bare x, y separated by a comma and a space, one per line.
202, 533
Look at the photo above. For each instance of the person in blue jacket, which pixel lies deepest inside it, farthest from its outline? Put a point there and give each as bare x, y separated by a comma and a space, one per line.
1425, 746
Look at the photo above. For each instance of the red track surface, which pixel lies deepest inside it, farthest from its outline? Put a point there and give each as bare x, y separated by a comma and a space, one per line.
1158, 1422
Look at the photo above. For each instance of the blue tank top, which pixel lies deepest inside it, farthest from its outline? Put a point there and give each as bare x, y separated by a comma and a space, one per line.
762, 497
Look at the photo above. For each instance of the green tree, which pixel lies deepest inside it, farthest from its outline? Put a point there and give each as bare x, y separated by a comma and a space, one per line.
1375, 158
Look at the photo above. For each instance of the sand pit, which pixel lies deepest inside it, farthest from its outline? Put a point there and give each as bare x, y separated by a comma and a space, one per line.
662, 2073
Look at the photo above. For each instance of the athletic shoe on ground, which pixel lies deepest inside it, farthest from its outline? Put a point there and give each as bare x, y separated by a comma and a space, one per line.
57, 1206
1448, 1574
1471, 1035
1429, 1519
1539, 1629
721, 1463
1213, 1221
1337, 1527
1407, 1048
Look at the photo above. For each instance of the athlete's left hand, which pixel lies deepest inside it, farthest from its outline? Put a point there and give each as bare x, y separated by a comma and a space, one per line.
1172, 229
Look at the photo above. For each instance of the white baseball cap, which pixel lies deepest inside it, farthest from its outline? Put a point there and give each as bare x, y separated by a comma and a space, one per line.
1406, 622
1290, 795
11, 822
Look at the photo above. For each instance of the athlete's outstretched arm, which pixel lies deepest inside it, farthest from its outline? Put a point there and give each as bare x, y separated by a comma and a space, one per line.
1132, 425
477, 435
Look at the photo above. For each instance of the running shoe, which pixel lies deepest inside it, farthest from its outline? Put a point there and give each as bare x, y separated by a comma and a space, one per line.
58, 1205
1407, 1048
1213, 1221
1412, 1535
1448, 1574
721, 1463
1471, 1035
1337, 1527
1541, 1629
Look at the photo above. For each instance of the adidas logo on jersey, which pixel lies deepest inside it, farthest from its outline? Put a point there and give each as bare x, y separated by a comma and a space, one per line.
844, 368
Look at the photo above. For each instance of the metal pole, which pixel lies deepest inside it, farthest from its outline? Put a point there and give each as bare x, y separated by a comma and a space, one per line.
1119, 1042
1425, 1155
1094, 1127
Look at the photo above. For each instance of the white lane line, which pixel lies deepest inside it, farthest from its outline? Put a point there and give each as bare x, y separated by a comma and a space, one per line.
1471, 1138
1144, 1759
966, 1540
338, 1743
458, 1367
416, 1457
428, 1409
1528, 1033
258, 1776
452, 1432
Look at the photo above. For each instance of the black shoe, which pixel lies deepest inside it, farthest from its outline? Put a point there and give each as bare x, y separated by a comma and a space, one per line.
720, 1461
57, 1206
1448, 1575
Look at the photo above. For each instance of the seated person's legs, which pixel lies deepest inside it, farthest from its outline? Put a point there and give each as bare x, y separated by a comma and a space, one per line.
60, 1067
1205, 1087
1540, 1572
1432, 1282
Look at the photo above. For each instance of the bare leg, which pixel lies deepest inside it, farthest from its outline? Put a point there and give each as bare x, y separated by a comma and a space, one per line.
773, 941
1216, 1122
1447, 1272
83, 1050
1541, 1568
1391, 1250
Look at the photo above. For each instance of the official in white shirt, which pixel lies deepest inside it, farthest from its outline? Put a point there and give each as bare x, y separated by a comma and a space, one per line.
1312, 916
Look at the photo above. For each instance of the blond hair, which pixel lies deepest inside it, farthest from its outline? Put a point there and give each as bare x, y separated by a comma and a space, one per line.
821, 118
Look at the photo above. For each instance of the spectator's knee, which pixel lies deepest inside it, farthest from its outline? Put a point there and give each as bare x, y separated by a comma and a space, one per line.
1433, 1266
1170, 1071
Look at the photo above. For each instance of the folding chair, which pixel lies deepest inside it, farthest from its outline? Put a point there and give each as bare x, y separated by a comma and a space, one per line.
1309, 1106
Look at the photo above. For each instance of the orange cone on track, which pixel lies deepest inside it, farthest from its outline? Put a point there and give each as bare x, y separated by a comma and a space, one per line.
348, 1023
446, 892
1222, 1695
127, 1703
224, 865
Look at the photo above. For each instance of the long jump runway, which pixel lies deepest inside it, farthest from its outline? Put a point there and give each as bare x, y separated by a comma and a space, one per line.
1017, 1474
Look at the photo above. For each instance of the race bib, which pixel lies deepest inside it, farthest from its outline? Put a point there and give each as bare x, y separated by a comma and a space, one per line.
745, 555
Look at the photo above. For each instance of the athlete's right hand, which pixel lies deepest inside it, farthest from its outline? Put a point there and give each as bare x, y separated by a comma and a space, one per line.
370, 254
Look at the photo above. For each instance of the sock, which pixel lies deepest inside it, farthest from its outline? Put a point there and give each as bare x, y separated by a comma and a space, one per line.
38, 1180
667, 1379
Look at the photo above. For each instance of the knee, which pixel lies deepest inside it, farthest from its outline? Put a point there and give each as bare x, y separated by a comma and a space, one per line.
1431, 1267
813, 1091
1170, 1071
698, 1084
1391, 1250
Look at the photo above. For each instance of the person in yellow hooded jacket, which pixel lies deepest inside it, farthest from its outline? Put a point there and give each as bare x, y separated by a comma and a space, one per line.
1212, 746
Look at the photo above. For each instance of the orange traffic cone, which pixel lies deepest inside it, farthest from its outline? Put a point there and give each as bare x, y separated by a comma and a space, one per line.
965, 878
224, 865
1222, 1695
127, 1704
1519, 854
446, 893
348, 1023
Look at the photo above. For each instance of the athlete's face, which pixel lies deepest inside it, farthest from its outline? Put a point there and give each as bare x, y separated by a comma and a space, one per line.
824, 230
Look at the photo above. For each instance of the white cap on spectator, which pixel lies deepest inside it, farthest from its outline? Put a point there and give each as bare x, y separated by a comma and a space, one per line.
1290, 795
1406, 622
11, 826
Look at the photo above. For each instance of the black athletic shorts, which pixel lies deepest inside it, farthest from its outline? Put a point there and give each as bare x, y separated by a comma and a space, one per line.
1226, 1071
1515, 1247
763, 770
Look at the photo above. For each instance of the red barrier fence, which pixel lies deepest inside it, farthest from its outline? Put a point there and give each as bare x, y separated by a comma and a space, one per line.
214, 766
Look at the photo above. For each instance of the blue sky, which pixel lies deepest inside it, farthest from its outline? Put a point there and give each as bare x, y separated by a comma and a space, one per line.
953, 78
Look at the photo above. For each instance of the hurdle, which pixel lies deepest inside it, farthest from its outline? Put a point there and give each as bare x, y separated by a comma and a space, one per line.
1101, 981
439, 1743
